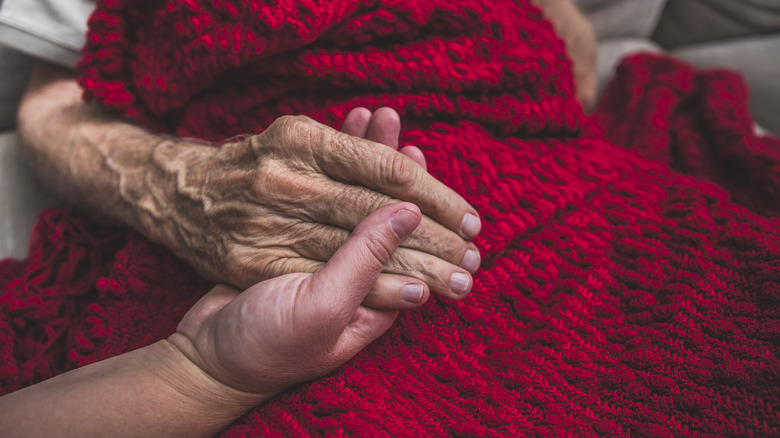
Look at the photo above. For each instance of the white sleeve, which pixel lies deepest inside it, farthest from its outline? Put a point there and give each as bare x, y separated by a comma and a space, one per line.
53, 30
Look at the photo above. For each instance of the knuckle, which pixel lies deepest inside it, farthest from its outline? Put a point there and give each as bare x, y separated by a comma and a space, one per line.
282, 181
245, 269
376, 201
446, 205
423, 268
361, 200
319, 241
401, 264
334, 147
280, 265
398, 171
295, 131
380, 249
276, 267
438, 241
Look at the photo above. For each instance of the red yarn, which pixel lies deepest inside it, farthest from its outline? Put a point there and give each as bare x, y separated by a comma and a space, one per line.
617, 296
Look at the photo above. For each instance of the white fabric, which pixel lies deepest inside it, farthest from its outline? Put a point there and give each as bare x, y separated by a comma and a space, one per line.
49, 29
52, 30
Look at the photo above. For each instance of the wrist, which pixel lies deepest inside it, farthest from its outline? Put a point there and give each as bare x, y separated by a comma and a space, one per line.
199, 391
158, 179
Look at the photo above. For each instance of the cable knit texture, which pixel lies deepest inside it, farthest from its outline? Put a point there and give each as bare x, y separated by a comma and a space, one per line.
617, 294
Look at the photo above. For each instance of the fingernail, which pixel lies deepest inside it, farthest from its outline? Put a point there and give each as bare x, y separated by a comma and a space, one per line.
412, 293
403, 223
471, 225
459, 283
471, 260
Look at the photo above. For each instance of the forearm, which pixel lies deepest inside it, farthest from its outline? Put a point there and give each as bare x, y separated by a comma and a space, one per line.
104, 165
153, 391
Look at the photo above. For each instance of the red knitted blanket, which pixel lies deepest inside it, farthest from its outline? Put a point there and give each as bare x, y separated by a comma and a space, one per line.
617, 294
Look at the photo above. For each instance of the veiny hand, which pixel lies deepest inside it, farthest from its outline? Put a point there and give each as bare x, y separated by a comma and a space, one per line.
297, 327
284, 201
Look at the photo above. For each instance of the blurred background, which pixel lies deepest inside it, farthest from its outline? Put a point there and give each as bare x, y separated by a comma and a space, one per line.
742, 35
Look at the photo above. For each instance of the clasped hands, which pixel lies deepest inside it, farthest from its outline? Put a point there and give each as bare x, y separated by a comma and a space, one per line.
284, 201
297, 326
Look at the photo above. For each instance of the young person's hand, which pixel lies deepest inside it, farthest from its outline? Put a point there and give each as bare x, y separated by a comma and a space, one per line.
298, 327
232, 351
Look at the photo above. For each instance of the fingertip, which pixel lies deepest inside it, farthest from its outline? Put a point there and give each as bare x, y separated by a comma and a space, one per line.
471, 225
357, 121
384, 127
413, 293
404, 221
386, 114
461, 284
397, 292
471, 260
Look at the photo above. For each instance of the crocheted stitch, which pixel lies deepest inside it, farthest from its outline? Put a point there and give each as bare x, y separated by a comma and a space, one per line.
617, 296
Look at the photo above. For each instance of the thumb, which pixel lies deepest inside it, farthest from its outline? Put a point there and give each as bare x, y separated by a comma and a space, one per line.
353, 270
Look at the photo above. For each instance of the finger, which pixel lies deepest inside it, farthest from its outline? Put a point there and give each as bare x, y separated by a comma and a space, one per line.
356, 122
444, 279
365, 326
362, 162
384, 127
313, 239
372, 165
396, 292
351, 273
415, 154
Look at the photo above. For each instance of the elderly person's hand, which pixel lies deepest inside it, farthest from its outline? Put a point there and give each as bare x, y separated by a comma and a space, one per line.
231, 351
275, 203
285, 200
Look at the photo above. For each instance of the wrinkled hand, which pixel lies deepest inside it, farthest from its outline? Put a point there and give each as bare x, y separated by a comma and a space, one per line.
285, 200
297, 327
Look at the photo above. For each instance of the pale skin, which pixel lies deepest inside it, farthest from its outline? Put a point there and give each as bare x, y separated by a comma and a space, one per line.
232, 351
